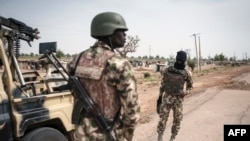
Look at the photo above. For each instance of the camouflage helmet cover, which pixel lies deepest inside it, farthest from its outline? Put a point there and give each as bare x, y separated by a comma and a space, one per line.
106, 23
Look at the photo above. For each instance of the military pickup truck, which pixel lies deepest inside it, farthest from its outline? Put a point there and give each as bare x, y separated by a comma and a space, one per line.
30, 108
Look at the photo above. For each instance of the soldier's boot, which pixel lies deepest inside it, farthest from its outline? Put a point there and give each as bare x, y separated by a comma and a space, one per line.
172, 138
160, 136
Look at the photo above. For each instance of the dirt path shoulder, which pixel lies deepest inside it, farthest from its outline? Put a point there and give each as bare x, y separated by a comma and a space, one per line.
211, 80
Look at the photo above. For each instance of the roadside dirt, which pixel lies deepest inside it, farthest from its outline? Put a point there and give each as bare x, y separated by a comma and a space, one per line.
210, 76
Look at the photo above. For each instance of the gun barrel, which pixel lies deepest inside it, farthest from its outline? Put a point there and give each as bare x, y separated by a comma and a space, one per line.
27, 33
4, 21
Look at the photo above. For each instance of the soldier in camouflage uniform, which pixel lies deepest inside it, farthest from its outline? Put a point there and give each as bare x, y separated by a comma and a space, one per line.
108, 79
172, 94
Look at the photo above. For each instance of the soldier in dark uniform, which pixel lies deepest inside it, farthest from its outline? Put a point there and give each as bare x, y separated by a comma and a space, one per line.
109, 80
172, 94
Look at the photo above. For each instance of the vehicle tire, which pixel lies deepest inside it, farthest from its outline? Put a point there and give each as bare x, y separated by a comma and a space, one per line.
44, 134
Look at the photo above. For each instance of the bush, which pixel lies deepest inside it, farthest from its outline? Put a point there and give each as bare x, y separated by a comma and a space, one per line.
191, 64
147, 75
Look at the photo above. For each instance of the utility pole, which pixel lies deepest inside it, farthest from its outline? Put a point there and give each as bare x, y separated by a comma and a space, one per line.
246, 57
234, 57
149, 51
200, 59
197, 57
188, 53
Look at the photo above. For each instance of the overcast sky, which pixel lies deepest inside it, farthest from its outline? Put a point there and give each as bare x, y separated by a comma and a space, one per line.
163, 26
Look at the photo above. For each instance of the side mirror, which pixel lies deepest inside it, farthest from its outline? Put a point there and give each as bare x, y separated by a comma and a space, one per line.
47, 47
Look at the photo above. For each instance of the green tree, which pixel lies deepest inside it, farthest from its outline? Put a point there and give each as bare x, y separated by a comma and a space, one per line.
31, 54
191, 64
68, 55
220, 57
157, 57
60, 54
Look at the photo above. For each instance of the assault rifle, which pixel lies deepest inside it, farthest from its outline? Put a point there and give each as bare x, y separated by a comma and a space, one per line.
84, 103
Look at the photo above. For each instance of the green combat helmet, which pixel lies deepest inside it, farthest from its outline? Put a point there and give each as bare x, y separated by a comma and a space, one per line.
106, 23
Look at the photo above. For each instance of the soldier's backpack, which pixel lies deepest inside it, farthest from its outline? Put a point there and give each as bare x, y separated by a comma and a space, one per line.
174, 82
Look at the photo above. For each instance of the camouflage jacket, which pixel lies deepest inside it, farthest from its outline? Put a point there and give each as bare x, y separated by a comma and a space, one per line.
110, 82
173, 82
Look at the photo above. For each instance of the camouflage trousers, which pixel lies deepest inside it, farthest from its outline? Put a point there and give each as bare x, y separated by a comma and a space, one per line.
89, 131
170, 102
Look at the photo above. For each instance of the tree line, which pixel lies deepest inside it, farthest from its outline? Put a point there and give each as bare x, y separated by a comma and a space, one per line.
132, 43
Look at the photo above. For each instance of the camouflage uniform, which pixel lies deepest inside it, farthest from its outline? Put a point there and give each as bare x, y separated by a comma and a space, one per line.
110, 82
172, 93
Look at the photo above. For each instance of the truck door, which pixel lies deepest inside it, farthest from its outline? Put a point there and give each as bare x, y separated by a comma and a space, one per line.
5, 122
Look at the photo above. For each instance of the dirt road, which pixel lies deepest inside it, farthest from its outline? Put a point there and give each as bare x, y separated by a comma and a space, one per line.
204, 115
